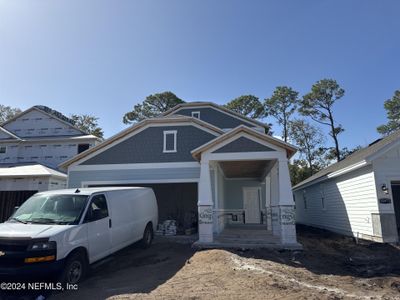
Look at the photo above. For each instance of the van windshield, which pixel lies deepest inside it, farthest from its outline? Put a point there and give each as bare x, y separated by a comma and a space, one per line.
51, 209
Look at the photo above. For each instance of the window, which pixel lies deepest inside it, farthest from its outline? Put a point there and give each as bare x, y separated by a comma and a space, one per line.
305, 199
196, 114
322, 190
97, 209
82, 147
3, 149
169, 141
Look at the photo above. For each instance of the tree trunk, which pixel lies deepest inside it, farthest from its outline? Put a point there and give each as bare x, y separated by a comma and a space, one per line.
285, 131
334, 135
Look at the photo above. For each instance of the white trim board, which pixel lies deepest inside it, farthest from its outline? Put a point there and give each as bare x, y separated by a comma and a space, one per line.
165, 134
134, 166
150, 181
238, 156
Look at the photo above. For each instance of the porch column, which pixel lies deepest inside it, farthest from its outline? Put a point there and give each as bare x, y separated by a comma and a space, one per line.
205, 204
268, 208
286, 205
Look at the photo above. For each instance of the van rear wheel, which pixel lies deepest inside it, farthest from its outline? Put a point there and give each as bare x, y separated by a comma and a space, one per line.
148, 236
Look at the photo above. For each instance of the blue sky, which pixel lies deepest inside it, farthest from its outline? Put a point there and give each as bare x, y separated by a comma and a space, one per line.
102, 57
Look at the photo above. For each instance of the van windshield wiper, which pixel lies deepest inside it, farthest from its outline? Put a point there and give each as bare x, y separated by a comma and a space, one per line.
18, 220
43, 221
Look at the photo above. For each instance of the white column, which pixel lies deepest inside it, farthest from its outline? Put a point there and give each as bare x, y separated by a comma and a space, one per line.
286, 205
285, 186
268, 201
205, 204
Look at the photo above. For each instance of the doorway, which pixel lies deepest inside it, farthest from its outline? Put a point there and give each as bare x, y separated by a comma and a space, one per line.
396, 202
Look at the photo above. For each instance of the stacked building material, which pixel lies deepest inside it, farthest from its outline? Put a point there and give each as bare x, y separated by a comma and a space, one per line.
168, 227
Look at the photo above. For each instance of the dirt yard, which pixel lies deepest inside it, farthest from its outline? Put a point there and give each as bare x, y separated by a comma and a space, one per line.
330, 267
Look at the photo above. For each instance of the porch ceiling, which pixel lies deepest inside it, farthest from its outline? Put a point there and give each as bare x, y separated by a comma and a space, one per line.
245, 169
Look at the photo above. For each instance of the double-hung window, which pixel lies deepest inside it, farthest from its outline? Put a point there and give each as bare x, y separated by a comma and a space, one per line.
169, 141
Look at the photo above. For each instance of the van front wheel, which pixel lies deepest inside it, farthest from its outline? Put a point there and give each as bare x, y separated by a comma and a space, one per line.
147, 236
75, 269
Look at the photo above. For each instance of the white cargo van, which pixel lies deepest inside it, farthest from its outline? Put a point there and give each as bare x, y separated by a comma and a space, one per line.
67, 230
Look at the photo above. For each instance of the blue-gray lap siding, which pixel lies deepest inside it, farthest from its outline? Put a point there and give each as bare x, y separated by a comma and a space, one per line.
76, 178
243, 144
147, 147
215, 117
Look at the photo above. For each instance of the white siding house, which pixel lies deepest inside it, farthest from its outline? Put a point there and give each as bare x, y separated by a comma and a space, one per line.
359, 196
32, 145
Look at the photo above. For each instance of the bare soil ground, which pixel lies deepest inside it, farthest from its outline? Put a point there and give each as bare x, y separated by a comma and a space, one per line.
330, 267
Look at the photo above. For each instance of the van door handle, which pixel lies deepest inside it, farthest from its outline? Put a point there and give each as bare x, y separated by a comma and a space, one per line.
109, 223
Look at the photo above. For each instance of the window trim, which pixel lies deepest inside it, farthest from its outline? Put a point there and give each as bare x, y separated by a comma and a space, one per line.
196, 112
167, 132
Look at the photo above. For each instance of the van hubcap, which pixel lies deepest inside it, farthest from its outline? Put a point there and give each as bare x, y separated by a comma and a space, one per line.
75, 272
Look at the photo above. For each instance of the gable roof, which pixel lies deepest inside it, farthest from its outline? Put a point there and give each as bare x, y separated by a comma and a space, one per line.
13, 136
217, 107
358, 158
48, 111
137, 126
290, 149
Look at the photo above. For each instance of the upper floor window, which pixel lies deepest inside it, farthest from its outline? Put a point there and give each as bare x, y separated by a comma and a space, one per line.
196, 114
83, 147
169, 141
3, 149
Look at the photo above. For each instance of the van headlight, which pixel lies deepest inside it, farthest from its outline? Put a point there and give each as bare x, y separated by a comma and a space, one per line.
43, 245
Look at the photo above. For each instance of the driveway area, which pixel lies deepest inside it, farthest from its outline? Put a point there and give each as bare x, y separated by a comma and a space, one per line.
330, 267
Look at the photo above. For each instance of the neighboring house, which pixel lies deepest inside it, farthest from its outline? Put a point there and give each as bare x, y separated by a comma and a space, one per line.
203, 162
358, 196
32, 145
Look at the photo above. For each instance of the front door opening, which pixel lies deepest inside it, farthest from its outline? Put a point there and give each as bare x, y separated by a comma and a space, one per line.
251, 205
396, 202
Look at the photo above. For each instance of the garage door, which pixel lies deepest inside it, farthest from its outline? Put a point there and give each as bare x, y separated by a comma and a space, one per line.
176, 201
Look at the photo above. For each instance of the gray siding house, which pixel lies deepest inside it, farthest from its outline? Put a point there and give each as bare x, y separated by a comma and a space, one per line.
358, 196
205, 161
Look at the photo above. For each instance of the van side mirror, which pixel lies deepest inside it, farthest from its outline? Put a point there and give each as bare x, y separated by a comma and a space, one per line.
15, 209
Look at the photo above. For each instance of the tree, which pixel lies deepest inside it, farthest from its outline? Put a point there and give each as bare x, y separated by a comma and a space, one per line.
299, 171
344, 152
7, 112
318, 105
309, 140
281, 106
88, 124
246, 105
151, 107
392, 107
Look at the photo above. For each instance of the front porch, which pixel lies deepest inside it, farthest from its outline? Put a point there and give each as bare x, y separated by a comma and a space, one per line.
245, 198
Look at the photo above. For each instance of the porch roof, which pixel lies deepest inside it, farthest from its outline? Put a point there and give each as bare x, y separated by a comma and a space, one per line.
290, 149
